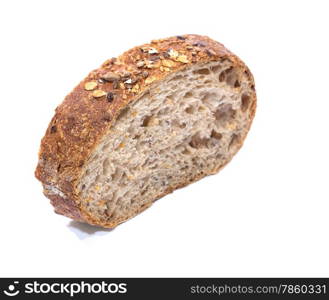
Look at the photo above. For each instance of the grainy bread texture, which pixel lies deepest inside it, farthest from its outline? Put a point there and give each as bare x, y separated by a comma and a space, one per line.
157, 118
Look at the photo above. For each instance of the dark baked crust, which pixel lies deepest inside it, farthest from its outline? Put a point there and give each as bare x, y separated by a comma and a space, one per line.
84, 116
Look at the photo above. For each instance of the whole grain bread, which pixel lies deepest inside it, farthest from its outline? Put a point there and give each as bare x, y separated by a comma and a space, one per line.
157, 118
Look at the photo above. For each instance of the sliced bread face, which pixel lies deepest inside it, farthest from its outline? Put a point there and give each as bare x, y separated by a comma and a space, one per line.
178, 122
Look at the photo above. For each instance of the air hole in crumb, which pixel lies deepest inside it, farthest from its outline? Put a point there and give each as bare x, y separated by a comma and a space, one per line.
247, 73
178, 147
234, 140
231, 77
162, 151
145, 163
216, 135
237, 84
203, 71
176, 78
142, 143
188, 95
197, 142
164, 111
210, 99
117, 174
190, 109
168, 101
221, 76
146, 121
147, 94
106, 164
123, 113
215, 69
245, 100
186, 152
176, 123
106, 147
224, 113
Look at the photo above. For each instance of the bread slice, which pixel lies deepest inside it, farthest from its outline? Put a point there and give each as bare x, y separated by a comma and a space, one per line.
155, 119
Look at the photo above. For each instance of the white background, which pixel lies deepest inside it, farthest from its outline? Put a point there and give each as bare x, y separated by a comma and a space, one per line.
265, 214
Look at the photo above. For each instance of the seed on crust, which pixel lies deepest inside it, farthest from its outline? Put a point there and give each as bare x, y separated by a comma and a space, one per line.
183, 59
140, 64
98, 93
173, 53
168, 63
128, 81
125, 75
149, 50
150, 80
90, 85
153, 51
110, 76
135, 88
152, 65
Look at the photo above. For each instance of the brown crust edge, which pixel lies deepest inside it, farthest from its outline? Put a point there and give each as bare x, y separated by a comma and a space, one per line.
81, 120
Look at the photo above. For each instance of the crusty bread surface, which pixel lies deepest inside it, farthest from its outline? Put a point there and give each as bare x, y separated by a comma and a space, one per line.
157, 118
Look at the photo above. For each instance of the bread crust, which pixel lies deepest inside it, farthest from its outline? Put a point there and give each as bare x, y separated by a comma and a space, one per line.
86, 115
